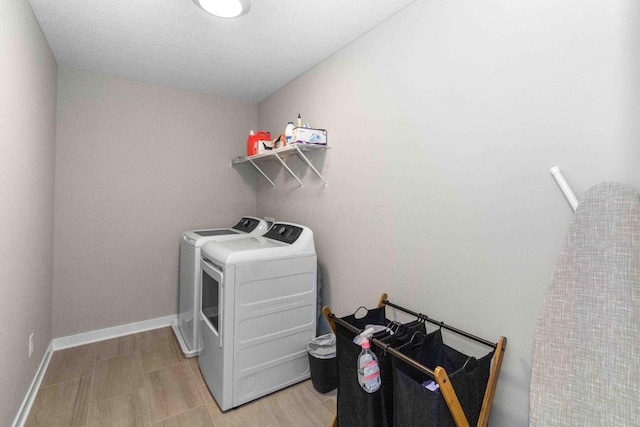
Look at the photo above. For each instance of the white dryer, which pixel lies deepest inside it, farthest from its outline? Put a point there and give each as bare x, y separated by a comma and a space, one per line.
258, 313
187, 328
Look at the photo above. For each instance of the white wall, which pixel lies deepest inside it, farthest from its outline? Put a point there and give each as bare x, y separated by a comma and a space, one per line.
444, 122
136, 166
27, 143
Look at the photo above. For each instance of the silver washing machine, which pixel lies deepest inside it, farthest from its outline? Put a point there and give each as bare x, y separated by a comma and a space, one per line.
187, 328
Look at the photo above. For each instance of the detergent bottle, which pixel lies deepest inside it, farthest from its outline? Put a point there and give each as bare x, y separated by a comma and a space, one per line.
252, 144
288, 133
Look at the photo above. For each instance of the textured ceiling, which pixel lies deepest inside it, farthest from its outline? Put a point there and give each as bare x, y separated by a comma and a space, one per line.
175, 43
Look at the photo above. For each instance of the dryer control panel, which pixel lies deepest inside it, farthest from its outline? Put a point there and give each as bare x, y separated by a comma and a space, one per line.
286, 233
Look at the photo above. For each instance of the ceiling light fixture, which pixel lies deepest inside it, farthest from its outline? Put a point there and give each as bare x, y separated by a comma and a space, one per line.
225, 8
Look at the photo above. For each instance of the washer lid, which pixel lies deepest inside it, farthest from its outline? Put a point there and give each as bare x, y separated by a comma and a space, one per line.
216, 232
251, 244
247, 226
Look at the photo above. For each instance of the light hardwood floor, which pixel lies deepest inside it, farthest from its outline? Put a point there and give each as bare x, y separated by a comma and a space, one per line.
144, 380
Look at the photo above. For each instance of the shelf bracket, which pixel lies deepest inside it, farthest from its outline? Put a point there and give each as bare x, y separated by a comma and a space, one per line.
279, 154
284, 165
262, 173
308, 162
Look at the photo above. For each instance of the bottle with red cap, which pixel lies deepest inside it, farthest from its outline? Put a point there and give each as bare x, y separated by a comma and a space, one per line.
252, 144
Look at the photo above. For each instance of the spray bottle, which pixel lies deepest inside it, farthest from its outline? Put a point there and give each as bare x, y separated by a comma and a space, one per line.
368, 368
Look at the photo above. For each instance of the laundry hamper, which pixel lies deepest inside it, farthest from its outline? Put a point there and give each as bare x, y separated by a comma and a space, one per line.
356, 407
418, 402
426, 362
402, 334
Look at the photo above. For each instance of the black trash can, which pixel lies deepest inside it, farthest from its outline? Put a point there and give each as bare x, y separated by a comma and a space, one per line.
322, 362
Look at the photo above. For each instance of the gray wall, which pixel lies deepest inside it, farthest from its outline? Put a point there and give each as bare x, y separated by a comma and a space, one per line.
444, 123
27, 145
136, 165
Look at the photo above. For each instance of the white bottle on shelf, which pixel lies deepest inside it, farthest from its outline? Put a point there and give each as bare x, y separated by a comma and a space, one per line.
288, 133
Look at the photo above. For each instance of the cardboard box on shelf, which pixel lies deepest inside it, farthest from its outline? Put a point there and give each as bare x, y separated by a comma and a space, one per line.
309, 136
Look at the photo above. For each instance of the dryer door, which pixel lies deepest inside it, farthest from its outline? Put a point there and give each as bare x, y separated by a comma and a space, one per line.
212, 306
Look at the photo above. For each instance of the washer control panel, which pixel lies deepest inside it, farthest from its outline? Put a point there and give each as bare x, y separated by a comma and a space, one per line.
286, 233
247, 224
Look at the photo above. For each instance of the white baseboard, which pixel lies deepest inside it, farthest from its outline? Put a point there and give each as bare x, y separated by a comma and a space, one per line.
81, 339
113, 332
23, 412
